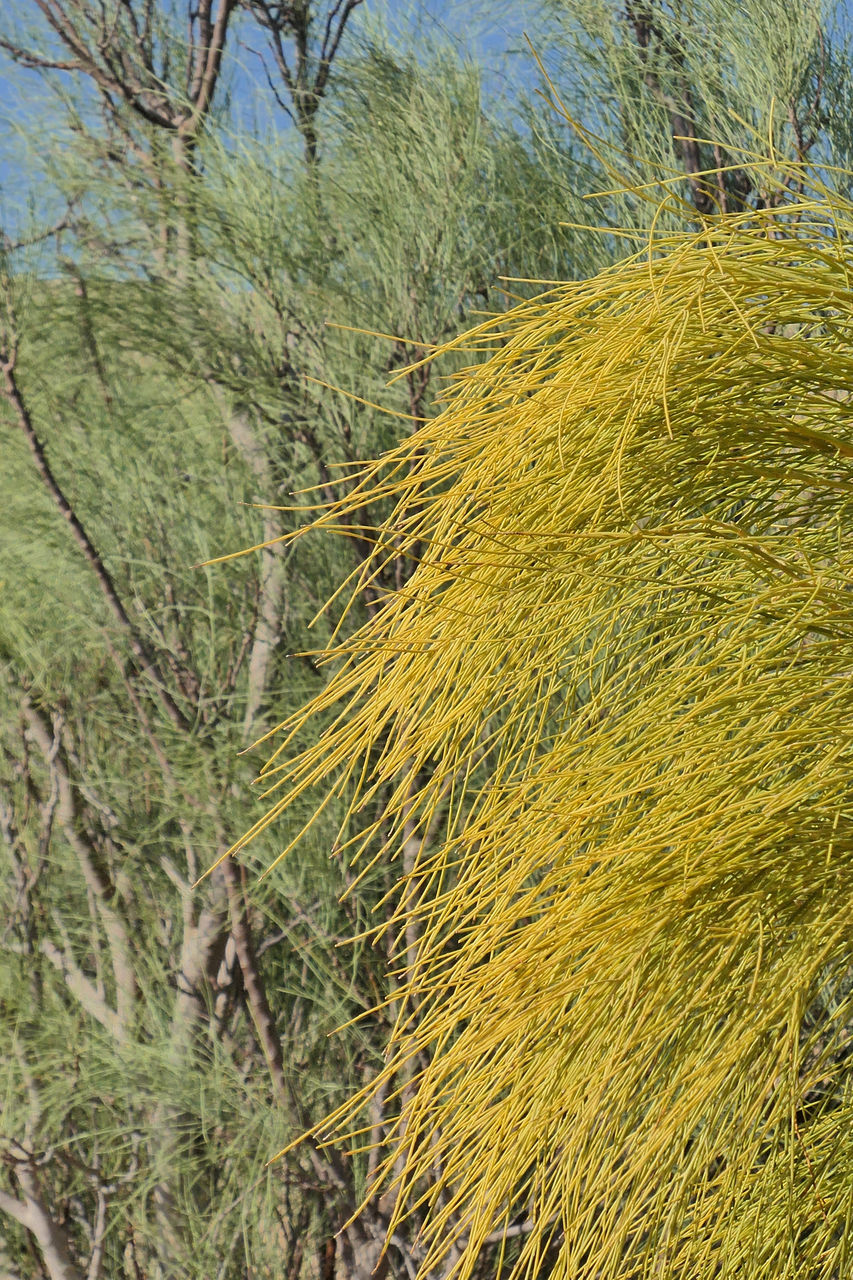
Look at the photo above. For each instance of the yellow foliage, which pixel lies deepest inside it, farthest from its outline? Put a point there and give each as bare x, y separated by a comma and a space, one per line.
614, 701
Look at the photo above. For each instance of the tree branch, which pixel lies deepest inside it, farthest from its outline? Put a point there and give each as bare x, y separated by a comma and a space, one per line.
259, 1007
205, 84
306, 90
271, 585
146, 100
31, 1212
96, 881
81, 987
144, 660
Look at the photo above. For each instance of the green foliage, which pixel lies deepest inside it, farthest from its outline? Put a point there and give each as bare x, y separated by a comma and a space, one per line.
173, 381
703, 88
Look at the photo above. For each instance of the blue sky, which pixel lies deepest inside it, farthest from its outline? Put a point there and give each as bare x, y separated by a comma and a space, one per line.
491, 32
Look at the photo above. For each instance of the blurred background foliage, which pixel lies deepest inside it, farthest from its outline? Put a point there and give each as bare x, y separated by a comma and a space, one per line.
215, 214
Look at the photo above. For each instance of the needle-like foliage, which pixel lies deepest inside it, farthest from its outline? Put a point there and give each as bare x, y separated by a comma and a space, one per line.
612, 705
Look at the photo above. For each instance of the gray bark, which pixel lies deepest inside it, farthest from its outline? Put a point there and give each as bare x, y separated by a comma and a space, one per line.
32, 1212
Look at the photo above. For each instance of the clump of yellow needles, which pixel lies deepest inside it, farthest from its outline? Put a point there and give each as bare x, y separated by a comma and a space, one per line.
613, 706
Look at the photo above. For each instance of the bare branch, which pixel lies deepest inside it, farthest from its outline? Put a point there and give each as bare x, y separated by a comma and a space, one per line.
331, 40
118, 54
210, 63
32, 1212
682, 127
96, 881
138, 87
262, 1015
306, 86
267, 630
10, 246
83, 990
98, 1231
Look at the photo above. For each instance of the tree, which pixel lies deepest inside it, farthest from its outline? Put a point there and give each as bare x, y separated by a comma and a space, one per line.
163, 355
697, 88
609, 710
